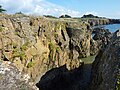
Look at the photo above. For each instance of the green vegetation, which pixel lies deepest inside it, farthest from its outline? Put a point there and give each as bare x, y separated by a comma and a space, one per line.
18, 13
51, 46
20, 52
1, 29
1, 9
118, 83
89, 16
82, 31
57, 49
22, 87
57, 27
65, 16
14, 45
25, 46
1, 77
50, 16
30, 64
55, 35
22, 55
88, 60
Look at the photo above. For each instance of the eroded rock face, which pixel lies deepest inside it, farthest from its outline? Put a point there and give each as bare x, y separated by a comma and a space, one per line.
12, 79
98, 21
106, 66
101, 38
37, 44
79, 42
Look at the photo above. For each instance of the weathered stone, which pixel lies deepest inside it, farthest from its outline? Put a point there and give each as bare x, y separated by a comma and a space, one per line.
12, 79
106, 66
37, 44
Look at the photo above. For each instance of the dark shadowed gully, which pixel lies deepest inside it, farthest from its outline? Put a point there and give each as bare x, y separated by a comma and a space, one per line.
63, 79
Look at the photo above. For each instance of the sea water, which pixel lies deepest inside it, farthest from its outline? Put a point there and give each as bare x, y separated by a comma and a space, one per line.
112, 27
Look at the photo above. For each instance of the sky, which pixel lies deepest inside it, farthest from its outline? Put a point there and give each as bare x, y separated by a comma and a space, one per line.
74, 8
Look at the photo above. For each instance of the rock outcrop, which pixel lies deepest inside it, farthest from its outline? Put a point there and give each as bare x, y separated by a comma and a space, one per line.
37, 44
105, 74
100, 39
12, 79
98, 21
94, 20
114, 21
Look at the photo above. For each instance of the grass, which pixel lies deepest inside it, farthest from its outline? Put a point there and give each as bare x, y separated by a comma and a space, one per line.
19, 54
14, 45
57, 49
1, 29
118, 83
51, 46
30, 64
88, 60
55, 35
25, 46
1, 77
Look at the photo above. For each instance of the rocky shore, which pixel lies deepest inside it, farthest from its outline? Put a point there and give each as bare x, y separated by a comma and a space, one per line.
106, 66
51, 49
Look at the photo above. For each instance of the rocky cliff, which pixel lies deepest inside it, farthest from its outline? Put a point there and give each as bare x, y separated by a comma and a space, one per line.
12, 79
34, 45
101, 21
106, 66
37, 44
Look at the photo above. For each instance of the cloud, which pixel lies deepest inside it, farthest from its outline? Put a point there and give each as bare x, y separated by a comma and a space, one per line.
39, 7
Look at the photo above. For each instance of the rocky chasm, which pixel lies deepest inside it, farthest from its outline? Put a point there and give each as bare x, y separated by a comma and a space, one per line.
34, 46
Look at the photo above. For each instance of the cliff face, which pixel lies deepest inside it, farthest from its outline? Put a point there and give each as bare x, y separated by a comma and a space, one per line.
37, 44
94, 22
101, 21
106, 66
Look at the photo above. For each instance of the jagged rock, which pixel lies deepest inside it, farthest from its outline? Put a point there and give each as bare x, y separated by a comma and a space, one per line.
79, 42
114, 21
37, 44
100, 39
12, 79
94, 47
102, 21
99, 21
106, 65
102, 34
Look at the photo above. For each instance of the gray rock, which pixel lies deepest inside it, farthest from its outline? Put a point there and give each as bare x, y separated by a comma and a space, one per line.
106, 66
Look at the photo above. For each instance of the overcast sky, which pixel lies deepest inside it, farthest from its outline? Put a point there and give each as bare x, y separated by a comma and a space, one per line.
75, 8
